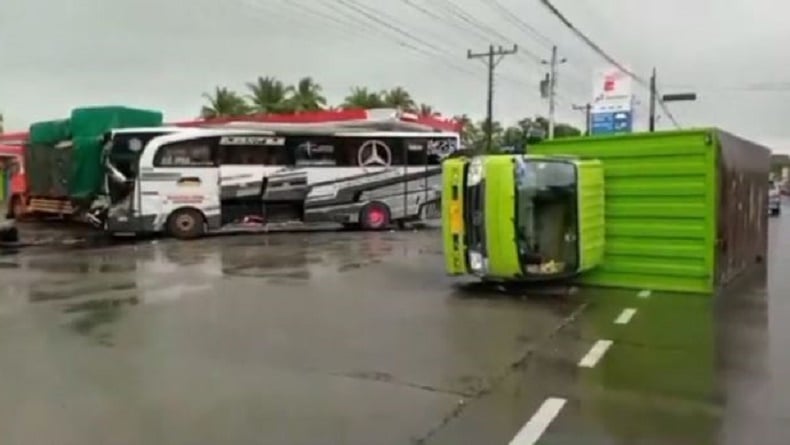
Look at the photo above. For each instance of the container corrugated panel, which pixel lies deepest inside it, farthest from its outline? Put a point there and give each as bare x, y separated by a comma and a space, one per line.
591, 214
92, 122
60, 165
660, 201
38, 159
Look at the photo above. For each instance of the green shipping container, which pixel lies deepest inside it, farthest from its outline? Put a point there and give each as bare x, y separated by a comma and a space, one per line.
685, 211
50, 132
90, 122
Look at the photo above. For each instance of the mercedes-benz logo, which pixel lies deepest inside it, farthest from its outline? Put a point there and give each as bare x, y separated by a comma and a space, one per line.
374, 153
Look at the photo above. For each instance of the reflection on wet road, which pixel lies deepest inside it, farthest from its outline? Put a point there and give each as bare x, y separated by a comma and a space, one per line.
346, 338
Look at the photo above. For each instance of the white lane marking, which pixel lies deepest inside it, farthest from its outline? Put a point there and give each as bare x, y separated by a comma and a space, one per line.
625, 316
595, 354
532, 430
644, 294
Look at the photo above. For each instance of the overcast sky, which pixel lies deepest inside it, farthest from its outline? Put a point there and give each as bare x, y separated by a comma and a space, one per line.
163, 54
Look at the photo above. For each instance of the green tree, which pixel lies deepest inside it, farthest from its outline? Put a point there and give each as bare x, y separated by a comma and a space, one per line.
561, 130
2, 126
361, 97
224, 102
306, 96
398, 97
496, 136
565, 131
427, 110
268, 95
470, 133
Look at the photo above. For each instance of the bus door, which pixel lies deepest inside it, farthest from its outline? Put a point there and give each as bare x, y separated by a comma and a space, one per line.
416, 164
185, 174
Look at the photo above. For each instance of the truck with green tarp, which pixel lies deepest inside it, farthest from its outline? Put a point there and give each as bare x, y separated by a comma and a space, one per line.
515, 218
64, 158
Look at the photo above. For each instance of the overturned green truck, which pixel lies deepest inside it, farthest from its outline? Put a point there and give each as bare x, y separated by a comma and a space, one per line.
683, 211
64, 158
522, 218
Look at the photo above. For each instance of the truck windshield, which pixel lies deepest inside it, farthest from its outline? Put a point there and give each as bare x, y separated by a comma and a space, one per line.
546, 216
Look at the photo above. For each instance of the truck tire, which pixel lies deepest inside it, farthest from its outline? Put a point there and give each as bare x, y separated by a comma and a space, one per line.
17, 208
374, 216
186, 224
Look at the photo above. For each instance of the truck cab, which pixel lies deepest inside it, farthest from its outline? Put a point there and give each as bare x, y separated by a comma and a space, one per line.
522, 217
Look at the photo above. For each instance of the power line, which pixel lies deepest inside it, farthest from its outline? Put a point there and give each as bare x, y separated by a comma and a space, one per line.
493, 56
519, 22
455, 16
443, 19
606, 56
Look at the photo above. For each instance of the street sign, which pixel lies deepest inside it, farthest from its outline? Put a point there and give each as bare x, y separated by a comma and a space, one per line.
612, 90
679, 97
611, 122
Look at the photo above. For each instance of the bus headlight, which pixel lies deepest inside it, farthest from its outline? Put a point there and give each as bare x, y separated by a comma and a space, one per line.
476, 262
475, 173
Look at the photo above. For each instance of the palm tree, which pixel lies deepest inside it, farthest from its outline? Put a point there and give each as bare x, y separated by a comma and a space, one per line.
268, 95
306, 95
470, 133
427, 110
398, 97
361, 97
224, 102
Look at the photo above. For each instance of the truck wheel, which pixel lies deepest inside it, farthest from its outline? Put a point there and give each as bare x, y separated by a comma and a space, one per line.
186, 224
17, 208
374, 216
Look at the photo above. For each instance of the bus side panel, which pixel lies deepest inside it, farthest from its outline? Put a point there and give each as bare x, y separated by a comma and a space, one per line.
591, 213
453, 230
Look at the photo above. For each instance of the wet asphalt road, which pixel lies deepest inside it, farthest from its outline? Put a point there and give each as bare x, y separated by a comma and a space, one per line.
352, 338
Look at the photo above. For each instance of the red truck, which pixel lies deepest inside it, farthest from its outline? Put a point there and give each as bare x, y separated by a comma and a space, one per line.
12, 155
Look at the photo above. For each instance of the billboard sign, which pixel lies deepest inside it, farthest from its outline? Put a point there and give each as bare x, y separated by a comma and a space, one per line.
611, 122
612, 91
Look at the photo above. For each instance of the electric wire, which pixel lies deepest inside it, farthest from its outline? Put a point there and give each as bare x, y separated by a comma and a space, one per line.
601, 52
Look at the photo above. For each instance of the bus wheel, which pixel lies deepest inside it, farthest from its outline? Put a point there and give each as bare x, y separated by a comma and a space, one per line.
186, 224
374, 216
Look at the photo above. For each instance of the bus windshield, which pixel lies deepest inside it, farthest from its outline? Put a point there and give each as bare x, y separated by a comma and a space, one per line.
546, 216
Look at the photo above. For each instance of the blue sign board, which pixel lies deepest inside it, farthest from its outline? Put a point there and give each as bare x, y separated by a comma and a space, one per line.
611, 122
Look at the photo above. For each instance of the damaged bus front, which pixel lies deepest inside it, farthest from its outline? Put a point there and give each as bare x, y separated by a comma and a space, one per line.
522, 217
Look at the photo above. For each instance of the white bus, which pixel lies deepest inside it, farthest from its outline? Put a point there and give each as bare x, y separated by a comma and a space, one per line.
188, 182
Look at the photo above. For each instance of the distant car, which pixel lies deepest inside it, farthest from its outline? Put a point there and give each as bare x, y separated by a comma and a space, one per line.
774, 198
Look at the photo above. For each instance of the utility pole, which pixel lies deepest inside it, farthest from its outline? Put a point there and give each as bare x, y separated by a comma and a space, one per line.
587, 108
493, 56
552, 93
676, 97
653, 99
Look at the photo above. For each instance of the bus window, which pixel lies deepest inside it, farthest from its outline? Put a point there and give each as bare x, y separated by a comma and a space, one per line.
315, 152
191, 153
253, 155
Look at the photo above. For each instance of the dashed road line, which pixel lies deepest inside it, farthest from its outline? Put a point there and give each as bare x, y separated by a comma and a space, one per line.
531, 432
625, 316
644, 294
595, 354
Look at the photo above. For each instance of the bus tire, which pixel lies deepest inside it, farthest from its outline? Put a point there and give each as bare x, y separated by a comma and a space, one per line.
186, 224
374, 216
